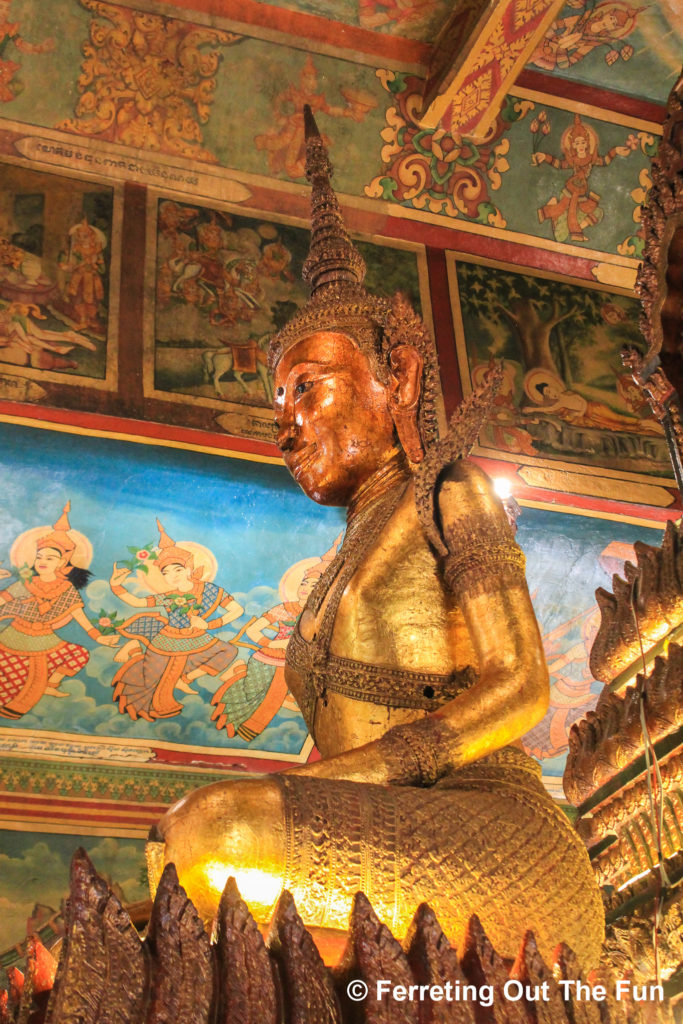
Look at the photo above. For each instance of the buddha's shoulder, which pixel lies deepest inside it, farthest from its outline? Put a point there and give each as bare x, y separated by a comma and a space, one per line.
461, 484
459, 489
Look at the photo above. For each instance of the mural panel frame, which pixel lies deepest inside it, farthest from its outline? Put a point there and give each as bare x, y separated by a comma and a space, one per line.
249, 421
537, 471
81, 253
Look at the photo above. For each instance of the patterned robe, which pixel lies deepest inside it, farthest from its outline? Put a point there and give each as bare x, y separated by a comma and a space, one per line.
173, 647
30, 649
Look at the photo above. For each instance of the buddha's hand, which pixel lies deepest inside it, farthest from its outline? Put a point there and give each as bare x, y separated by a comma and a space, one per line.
415, 754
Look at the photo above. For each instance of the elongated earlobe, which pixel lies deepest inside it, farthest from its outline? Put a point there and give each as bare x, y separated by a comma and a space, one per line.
405, 391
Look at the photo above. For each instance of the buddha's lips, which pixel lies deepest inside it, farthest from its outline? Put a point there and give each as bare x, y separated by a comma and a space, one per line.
297, 462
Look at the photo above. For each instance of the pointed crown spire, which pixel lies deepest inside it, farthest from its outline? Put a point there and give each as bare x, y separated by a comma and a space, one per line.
333, 259
335, 271
164, 540
59, 537
169, 552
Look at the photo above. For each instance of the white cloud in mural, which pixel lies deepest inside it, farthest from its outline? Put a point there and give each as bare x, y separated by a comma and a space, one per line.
97, 593
289, 734
41, 875
258, 600
81, 714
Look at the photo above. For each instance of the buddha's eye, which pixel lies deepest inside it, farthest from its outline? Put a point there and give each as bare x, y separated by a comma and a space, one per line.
303, 386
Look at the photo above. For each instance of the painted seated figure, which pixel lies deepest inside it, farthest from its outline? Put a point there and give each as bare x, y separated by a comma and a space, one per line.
417, 661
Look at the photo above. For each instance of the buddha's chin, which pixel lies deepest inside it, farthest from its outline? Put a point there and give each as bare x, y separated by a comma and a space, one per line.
323, 492
314, 485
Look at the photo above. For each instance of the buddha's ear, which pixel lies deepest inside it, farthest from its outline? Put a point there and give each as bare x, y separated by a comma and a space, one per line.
405, 390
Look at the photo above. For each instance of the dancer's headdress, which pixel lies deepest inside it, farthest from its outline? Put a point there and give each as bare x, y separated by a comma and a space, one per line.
59, 537
335, 271
170, 552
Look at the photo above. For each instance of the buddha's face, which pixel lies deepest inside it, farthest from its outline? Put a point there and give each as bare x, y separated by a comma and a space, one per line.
332, 416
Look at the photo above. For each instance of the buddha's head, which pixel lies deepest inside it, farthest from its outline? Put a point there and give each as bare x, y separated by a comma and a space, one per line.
354, 375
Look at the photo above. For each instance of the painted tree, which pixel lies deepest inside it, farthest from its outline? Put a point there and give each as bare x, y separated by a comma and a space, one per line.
542, 323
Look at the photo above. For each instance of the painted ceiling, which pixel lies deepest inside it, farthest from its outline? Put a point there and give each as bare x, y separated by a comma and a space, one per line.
153, 216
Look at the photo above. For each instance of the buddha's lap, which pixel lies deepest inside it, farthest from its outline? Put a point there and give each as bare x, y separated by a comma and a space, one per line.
488, 840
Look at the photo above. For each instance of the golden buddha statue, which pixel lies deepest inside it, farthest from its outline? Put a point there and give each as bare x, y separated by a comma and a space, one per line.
417, 661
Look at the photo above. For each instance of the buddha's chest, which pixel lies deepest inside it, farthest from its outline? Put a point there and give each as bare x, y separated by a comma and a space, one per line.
384, 643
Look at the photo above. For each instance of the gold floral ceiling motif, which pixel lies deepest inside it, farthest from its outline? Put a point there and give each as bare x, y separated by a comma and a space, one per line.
147, 80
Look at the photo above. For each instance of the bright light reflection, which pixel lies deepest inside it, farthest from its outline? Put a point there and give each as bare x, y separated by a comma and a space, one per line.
502, 487
257, 888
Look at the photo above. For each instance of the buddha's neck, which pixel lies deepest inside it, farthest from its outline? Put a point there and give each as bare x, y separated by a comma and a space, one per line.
393, 471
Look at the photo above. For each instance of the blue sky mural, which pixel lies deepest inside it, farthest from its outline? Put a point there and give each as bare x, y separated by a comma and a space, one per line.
256, 525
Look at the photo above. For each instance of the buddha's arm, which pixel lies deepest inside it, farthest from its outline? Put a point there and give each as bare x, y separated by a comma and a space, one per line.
484, 567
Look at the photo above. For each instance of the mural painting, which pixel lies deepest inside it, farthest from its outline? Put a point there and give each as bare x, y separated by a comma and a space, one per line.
615, 44
565, 394
200, 662
568, 615
52, 566
177, 91
487, 181
415, 19
577, 207
55, 255
147, 80
173, 646
169, 639
224, 284
34, 882
600, 26
12, 46
284, 143
436, 170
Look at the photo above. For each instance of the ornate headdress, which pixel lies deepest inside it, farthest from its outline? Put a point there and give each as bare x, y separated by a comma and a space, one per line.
335, 271
578, 130
169, 552
59, 537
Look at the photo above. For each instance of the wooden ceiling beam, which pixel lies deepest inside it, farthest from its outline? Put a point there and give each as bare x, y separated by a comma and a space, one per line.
476, 58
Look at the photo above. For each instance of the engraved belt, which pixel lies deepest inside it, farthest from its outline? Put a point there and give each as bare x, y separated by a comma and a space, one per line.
394, 687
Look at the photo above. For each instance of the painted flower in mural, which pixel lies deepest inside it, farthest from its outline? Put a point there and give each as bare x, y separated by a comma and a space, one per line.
140, 558
634, 245
108, 622
147, 80
439, 170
